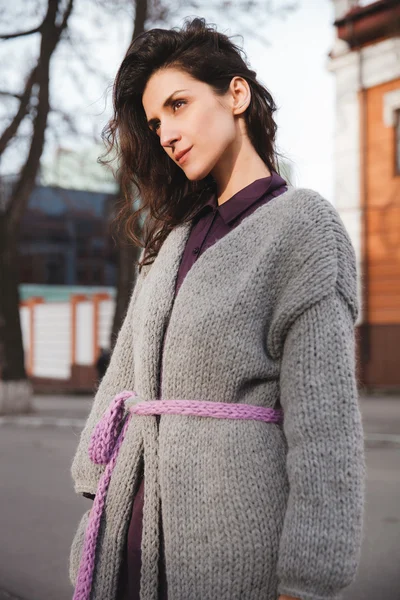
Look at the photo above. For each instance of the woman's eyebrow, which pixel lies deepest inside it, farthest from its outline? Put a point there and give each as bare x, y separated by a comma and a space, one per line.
167, 102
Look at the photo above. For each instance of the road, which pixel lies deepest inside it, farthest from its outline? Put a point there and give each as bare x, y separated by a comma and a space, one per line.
40, 511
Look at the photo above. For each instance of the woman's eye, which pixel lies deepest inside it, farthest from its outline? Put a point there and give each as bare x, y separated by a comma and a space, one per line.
175, 105
178, 102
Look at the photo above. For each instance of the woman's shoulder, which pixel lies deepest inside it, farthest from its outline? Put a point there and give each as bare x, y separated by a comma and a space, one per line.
307, 219
316, 247
306, 206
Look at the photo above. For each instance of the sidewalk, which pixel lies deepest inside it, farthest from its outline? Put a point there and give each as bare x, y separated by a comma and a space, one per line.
54, 411
380, 414
381, 417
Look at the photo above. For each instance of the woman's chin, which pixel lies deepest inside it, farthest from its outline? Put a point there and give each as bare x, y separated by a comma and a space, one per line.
196, 174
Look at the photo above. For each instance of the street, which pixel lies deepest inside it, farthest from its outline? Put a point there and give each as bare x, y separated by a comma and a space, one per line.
40, 510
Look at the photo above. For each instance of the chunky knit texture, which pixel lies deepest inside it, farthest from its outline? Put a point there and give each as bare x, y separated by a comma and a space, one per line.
106, 442
265, 314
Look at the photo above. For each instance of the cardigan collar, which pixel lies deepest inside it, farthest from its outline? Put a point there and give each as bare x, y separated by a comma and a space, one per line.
243, 199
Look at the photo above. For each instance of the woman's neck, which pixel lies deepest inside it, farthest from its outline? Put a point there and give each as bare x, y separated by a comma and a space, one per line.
238, 167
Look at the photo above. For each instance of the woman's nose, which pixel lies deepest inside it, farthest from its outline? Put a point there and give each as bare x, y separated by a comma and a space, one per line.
168, 137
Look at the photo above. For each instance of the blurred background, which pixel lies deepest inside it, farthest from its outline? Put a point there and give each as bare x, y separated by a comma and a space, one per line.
333, 68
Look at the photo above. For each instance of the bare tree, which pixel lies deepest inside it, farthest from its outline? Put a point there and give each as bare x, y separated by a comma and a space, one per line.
14, 387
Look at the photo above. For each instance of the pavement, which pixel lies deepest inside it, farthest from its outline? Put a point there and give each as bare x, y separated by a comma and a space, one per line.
54, 410
381, 417
380, 414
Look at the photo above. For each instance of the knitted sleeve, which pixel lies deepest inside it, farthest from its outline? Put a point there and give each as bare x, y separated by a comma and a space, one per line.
118, 377
316, 255
321, 539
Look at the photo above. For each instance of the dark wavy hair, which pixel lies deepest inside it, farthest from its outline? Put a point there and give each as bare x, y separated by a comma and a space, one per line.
145, 171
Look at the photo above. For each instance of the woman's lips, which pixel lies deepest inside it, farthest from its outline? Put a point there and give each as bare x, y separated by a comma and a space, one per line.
184, 157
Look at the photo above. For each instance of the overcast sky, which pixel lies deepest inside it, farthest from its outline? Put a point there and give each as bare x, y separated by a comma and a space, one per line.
292, 66
294, 69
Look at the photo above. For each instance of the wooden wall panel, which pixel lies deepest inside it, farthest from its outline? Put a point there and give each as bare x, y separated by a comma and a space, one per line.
382, 213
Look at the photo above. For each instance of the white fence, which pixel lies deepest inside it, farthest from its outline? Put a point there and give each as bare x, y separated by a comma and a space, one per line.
57, 335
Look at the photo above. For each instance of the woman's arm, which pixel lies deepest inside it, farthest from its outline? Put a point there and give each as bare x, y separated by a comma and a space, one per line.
321, 539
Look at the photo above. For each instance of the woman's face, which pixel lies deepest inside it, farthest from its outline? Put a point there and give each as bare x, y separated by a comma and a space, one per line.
186, 114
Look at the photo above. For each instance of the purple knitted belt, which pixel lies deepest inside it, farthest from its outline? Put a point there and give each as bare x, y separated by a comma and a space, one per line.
106, 442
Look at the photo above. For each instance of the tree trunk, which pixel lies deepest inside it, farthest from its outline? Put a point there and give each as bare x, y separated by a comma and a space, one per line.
127, 256
15, 389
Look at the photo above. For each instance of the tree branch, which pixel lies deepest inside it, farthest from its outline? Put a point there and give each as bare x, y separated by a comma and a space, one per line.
84, 59
67, 119
11, 130
38, 29
51, 34
10, 94
140, 17
10, 36
66, 16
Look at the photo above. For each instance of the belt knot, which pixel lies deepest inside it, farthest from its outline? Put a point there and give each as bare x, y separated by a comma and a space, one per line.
105, 434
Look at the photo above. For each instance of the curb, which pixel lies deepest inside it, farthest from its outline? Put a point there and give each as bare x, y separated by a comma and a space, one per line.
372, 440
42, 421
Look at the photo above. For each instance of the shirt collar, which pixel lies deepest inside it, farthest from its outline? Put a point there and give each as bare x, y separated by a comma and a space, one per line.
244, 198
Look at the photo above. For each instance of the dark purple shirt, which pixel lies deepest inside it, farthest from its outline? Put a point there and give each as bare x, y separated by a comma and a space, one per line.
209, 225
212, 222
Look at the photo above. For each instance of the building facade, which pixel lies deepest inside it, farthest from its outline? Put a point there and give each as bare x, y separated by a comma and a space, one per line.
65, 238
365, 61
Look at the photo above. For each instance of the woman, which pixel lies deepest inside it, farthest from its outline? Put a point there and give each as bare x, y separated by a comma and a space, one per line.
232, 380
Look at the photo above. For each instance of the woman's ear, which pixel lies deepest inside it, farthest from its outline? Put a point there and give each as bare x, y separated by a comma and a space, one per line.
241, 95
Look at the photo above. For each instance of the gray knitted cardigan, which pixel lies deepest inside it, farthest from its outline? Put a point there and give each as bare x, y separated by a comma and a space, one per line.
250, 509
